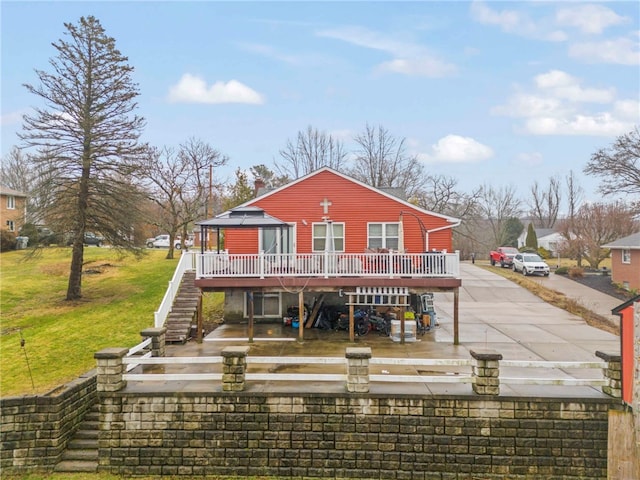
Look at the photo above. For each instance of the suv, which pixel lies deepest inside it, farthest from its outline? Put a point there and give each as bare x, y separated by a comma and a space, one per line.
162, 241
530, 264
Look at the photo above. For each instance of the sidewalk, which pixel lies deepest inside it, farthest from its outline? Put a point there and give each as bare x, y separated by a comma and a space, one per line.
591, 299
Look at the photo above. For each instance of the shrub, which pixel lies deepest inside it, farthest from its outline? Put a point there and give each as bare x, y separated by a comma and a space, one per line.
576, 272
544, 253
7, 240
562, 270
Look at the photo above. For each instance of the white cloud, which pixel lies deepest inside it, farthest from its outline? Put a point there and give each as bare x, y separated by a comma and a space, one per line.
457, 149
423, 67
628, 109
409, 58
600, 124
512, 21
563, 86
589, 19
11, 118
560, 105
622, 51
193, 89
529, 105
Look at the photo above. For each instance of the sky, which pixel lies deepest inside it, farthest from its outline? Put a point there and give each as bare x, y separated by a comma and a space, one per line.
489, 93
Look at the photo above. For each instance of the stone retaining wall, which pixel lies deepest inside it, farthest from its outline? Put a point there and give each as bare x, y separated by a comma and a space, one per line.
34, 430
353, 436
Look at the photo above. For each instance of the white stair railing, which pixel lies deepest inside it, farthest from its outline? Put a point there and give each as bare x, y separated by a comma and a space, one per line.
185, 264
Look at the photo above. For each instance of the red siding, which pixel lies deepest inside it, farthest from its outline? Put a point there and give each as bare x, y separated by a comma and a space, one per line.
626, 272
351, 203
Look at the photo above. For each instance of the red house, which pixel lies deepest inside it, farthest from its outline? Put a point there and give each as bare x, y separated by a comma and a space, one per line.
625, 261
329, 234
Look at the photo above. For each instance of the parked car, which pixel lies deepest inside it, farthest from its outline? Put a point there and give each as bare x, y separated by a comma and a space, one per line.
90, 238
162, 241
503, 256
530, 264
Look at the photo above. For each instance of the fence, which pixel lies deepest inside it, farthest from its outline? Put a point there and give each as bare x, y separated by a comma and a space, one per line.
328, 264
482, 369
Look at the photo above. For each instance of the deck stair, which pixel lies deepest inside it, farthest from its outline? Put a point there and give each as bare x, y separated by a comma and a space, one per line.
81, 454
184, 310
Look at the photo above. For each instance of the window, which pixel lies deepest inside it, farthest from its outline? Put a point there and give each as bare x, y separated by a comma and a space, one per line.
383, 235
11, 226
11, 202
320, 237
626, 255
276, 240
264, 305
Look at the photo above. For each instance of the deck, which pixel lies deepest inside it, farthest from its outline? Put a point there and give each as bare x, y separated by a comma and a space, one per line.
326, 270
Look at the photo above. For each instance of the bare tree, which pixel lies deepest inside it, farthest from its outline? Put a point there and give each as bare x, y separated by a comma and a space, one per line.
544, 204
311, 150
572, 245
16, 171
178, 185
88, 135
598, 224
618, 166
382, 161
497, 206
439, 194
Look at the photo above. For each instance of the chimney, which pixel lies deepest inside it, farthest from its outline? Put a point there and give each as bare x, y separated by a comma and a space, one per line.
258, 184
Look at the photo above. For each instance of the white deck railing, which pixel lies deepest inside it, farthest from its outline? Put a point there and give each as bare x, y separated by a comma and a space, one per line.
185, 264
327, 264
451, 374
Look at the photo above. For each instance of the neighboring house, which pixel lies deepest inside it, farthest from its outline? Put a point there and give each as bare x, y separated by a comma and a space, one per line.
325, 234
625, 261
548, 239
13, 209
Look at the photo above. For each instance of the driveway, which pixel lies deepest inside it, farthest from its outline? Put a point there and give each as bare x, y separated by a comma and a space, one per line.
498, 314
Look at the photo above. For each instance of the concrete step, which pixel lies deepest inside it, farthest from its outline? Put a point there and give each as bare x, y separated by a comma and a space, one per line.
77, 466
81, 454
91, 434
82, 445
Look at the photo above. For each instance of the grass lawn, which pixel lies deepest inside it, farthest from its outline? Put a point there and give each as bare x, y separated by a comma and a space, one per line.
120, 295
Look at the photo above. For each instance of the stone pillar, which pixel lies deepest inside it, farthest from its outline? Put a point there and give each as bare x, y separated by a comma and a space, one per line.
234, 366
358, 369
110, 369
157, 336
613, 374
485, 370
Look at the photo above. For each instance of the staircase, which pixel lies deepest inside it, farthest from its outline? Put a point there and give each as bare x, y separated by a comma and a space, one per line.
81, 454
183, 311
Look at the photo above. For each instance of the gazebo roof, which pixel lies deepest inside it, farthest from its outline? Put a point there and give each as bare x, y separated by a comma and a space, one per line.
243, 217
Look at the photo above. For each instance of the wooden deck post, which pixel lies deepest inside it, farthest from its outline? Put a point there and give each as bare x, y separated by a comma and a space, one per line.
251, 310
456, 332
352, 333
301, 316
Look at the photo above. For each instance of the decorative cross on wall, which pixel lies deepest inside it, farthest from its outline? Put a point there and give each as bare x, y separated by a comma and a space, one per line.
325, 204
